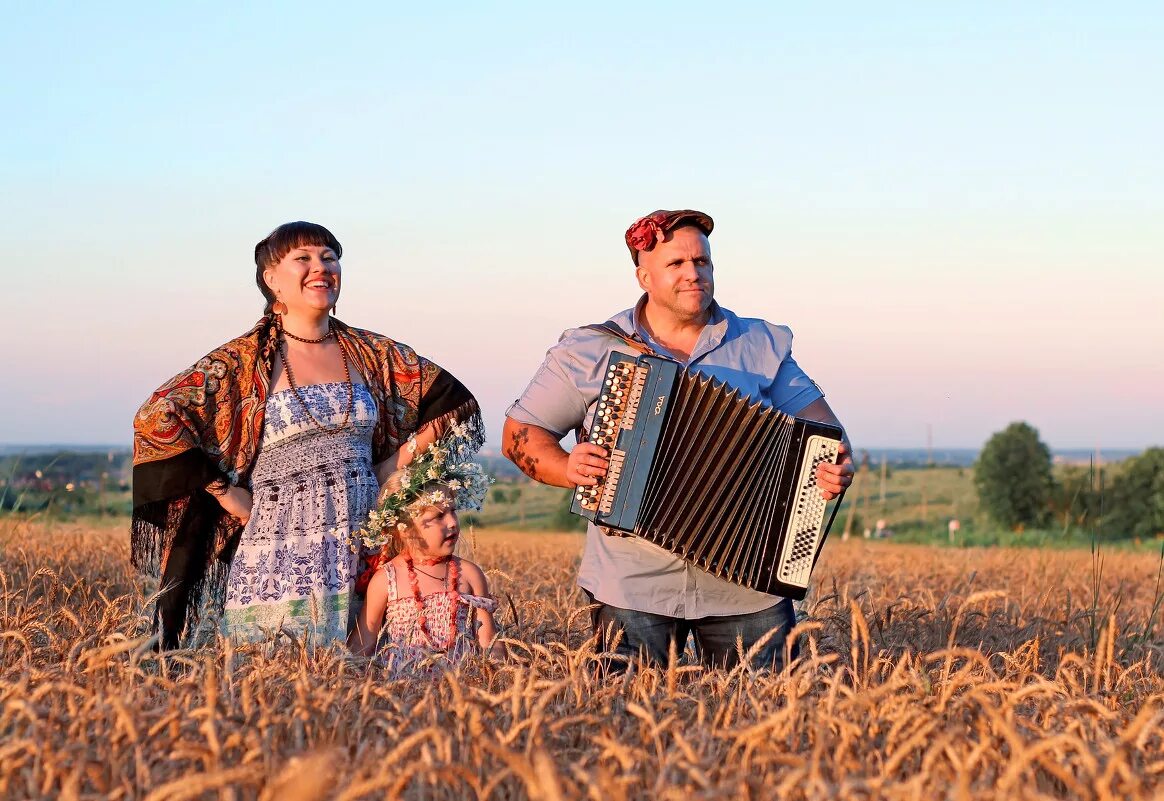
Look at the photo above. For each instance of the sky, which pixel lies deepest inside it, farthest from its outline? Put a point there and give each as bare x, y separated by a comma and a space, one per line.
956, 207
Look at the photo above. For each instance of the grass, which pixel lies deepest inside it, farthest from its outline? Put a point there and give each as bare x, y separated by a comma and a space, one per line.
523, 505
924, 673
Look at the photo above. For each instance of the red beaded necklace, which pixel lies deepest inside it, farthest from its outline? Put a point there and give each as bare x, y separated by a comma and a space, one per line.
452, 580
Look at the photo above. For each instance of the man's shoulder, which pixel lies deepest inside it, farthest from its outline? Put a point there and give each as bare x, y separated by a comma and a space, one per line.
779, 334
590, 335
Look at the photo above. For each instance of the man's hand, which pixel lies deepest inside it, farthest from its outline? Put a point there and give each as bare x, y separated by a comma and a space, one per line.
539, 454
834, 478
587, 464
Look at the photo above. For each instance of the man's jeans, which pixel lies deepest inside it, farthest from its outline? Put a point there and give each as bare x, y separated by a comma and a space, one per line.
715, 636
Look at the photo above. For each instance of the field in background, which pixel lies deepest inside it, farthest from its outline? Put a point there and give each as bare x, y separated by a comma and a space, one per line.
914, 502
924, 673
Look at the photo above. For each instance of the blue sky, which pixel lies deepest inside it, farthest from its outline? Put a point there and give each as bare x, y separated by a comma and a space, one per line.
957, 209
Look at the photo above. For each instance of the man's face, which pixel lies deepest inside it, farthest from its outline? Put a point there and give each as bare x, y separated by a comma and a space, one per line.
677, 274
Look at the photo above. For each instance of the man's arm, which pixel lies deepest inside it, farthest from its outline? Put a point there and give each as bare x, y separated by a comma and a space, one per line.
539, 454
832, 478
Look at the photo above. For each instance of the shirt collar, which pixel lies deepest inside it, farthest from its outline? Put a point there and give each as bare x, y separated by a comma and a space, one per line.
710, 337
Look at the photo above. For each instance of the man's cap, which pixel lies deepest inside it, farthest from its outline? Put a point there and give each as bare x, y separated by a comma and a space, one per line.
648, 231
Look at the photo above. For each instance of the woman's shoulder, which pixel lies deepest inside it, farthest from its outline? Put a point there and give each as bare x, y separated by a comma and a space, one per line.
379, 343
247, 342
225, 365
368, 336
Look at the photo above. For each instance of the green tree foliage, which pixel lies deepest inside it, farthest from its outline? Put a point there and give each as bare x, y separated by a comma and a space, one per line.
1076, 498
1013, 477
1135, 505
564, 519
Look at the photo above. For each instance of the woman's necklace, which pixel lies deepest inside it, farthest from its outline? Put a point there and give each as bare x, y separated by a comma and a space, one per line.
452, 580
295, 388
323, 338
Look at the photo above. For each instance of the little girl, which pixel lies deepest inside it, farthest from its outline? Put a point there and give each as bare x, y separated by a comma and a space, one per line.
425, 600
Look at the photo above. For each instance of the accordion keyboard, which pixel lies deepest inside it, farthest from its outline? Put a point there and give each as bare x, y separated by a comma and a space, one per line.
617, 410
806, 524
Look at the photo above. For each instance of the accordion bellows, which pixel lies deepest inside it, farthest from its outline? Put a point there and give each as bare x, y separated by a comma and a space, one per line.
725, 483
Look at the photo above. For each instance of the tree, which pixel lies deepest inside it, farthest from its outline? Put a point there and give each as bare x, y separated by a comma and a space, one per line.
1135, 506
1076, 497
565, 520
1013, 477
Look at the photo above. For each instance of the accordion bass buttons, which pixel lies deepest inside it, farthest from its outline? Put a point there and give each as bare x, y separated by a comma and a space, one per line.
608, 420
587, 498
618, 402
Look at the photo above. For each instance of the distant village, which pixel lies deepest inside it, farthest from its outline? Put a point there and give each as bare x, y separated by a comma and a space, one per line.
83, 480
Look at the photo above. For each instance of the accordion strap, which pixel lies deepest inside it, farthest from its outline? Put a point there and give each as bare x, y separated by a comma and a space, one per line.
633, 341
829, 526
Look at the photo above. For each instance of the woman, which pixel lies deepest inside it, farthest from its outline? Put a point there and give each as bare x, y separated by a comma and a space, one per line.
307, 414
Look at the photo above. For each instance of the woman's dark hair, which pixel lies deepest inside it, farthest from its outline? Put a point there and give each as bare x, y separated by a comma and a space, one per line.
277, 244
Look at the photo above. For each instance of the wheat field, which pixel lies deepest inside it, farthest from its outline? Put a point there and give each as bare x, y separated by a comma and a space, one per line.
924, 673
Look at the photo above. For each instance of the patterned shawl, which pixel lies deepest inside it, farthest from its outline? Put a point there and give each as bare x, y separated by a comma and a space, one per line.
205, 425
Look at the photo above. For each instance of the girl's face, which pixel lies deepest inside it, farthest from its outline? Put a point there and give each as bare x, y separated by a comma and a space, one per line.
306, 279
434, 532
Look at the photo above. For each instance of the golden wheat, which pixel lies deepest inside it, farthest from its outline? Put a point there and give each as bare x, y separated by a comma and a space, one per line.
924, 673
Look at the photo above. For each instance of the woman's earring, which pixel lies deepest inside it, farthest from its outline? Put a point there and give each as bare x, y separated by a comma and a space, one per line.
279, 307
333, 308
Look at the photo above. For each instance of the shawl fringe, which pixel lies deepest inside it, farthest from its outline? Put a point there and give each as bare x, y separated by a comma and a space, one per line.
468, 414
169, 542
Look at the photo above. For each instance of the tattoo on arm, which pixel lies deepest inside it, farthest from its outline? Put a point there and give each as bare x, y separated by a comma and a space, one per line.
518, 453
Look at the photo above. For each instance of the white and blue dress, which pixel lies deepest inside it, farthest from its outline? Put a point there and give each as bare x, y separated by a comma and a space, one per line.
294, 569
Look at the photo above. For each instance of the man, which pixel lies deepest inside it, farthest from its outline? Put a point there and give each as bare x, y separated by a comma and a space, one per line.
650, 595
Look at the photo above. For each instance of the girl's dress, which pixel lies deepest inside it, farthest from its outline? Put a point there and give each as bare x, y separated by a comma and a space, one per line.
403, 642
294, 568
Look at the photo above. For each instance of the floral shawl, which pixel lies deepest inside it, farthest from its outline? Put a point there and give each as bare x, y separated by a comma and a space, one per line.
205, 425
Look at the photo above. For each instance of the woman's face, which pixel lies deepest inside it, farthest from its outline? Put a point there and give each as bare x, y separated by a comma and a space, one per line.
435, 531
307, 279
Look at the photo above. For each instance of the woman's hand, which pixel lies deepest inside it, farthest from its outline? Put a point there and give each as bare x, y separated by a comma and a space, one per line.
237, 502
398, 460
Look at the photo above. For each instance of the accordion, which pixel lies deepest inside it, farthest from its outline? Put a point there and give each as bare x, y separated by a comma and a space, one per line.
725, 483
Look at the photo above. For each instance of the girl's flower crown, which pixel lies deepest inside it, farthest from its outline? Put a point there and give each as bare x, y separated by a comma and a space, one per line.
444, 463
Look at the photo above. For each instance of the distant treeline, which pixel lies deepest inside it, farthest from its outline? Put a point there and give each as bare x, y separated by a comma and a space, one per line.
907, 458
66, 466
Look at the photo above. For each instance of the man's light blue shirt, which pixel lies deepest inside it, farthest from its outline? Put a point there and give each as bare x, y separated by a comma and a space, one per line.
749, 354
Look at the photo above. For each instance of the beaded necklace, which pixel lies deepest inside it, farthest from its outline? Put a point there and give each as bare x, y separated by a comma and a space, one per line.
452, 580
295, 387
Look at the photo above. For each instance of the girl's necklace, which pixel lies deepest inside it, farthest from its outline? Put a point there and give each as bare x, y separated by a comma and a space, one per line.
431, 576
453, 578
